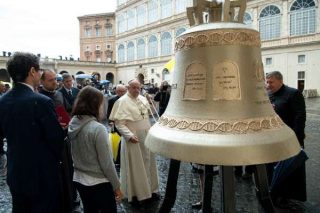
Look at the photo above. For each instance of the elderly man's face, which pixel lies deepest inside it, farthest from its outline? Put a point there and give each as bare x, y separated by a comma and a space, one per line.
120, 91
134, 89
273, 84
50, 81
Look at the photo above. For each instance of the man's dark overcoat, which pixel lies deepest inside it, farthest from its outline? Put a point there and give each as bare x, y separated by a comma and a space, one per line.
35, 141
289, 104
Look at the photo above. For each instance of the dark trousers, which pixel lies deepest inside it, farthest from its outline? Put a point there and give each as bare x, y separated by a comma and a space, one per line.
97, 198
36, 204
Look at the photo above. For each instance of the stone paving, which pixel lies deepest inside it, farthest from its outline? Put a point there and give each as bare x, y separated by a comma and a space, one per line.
188, 183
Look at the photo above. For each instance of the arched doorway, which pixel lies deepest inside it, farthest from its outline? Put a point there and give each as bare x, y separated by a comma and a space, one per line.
63, 71
4, 75
141, 78
110, 77
80, 72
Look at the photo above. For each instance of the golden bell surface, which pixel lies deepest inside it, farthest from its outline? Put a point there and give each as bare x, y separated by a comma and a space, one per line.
219, 112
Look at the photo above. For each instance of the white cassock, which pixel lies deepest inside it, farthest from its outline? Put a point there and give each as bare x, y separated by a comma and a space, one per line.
138, 172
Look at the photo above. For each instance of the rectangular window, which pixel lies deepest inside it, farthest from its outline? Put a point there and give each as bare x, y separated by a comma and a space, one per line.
87, 32
301, 75
152, 71
301, 59
166, 8
109, 31
152, 11
108, 46
152, 80
270, 27
268, 61
87, 48
98, 47
98, 32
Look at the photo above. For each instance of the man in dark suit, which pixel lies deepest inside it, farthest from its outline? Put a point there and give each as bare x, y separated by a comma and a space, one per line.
289, 104
3, 160
49, 85
69, 93
120, 91
34, 138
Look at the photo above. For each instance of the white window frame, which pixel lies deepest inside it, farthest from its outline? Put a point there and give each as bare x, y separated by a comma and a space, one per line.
166, 44
166, 8
303, 17
131, 17
152, 46
130, 51
141, 15
152, 11
141, 49
121, 53
269, 61
302, 59
270, 23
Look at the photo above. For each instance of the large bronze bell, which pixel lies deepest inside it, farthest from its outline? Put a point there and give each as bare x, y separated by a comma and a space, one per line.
219, 112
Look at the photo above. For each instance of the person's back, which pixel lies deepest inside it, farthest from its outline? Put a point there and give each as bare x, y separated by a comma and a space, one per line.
95, 176
23, 108
163, 97
34, 140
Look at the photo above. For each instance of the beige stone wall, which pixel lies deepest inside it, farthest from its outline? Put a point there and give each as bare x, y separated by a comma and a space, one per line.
106, 43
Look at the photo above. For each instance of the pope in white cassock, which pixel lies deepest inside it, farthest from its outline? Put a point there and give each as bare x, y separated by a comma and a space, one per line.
138, 172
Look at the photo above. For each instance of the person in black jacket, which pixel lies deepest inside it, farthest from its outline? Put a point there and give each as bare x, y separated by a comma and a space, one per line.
69, 93
163, 97
289, 104
34, 140
49, 85
120, 91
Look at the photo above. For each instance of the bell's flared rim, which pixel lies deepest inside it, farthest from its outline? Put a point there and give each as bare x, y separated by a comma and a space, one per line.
218, 149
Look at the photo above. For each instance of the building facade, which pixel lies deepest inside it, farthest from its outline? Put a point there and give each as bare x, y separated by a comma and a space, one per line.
145, 36
97, 37
106, 71
290, 33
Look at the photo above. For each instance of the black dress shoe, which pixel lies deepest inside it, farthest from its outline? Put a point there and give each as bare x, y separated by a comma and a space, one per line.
155, 197
135, 203
197, 205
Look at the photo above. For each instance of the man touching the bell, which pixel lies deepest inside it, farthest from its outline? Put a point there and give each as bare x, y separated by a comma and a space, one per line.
289, 104
138, 172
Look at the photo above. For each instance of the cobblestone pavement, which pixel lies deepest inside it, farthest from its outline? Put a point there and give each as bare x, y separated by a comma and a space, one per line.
188, 183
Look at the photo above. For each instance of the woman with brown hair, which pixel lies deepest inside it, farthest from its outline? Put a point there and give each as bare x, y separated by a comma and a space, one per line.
95, 176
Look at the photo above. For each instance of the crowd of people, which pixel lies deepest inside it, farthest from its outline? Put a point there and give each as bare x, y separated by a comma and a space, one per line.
58, 144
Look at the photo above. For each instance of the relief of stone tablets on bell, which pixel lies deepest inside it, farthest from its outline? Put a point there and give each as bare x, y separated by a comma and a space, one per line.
226, 81
195, 82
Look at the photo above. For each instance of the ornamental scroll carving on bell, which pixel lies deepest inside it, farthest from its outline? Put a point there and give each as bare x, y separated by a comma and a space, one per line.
217, 38
221, 126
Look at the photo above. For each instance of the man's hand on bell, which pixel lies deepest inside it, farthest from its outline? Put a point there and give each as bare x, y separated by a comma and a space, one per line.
134, 139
